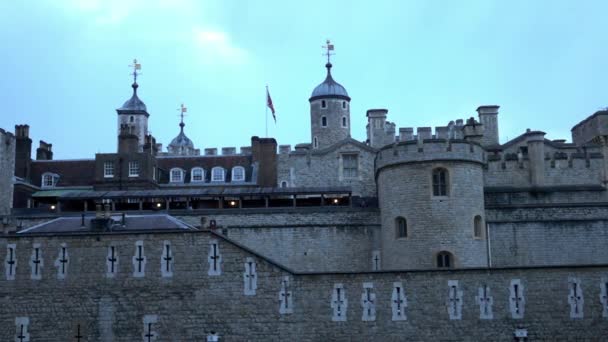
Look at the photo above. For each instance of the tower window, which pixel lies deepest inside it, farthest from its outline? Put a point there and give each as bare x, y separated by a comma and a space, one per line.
344, 121
440, 182
477, 227
131, 119
400, 228
108, 169
323, 121
238, 174
315, 142
283, 184
133, 168
444, 260
323, 104
343, 104
176, 175
350, 165
217, 174
198, 175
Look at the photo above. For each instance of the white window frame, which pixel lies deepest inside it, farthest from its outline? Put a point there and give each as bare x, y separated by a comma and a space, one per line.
240, 179
197, 169
45, 177
108, 169
134, 168
173, 179
214, 174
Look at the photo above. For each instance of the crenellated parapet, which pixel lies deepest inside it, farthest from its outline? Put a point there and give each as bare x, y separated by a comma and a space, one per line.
429, 150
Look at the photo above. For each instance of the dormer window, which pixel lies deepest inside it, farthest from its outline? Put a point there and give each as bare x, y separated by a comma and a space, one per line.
133, 168
217, 174
198, 175
49, 180
176, 175
323, 121
108, 169
238, 174
323, 104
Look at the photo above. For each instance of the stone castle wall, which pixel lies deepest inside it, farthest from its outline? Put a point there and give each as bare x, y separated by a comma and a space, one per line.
7, 170
192, 303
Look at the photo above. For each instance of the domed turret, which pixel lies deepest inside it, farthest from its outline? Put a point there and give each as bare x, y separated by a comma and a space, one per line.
181, 144
329, 110
134, 113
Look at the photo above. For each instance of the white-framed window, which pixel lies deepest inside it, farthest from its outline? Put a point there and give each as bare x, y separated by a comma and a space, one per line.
350, 165
197, 175
176, 175
108, 169
133, 168
344, 123
217, 174
323, 104
323, 121
238, 174
49, 180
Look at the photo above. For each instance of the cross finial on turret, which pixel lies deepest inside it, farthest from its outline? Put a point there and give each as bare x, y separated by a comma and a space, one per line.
329, 47
136, 66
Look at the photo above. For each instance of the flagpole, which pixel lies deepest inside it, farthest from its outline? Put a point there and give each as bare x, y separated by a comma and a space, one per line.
266, 106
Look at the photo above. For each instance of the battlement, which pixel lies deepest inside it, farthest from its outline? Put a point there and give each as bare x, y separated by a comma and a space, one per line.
452, 131
227, 151
427, 150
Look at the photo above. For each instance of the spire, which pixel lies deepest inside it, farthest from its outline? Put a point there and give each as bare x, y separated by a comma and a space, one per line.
134, 103
182, 110
329, 47
329, 87
136, 66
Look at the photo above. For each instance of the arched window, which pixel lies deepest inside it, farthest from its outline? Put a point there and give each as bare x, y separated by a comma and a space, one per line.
323, 121
477, 227
344, 121
440, 182
197, 175
400, 228
217, 174
444, 260
176, 175
283, 184
131, 119
49, 180
343, 104
323, 104
238, 174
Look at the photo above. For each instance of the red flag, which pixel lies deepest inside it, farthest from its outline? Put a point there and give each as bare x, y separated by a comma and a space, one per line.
269, 104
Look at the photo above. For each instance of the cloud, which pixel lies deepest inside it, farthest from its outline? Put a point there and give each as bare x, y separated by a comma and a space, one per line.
215, 48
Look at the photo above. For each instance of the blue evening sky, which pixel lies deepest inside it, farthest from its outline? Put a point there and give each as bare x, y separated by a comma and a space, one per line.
64, 65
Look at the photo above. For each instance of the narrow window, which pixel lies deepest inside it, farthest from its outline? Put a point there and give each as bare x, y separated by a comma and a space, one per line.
323, 104
238, 174
217, 174
323, 121
444, 260
477, 227
344, 121
350, 165
131, 119
133, 168
343, 104
440, 182
108, 169
315, 142
176, 175
400, 227
197, 175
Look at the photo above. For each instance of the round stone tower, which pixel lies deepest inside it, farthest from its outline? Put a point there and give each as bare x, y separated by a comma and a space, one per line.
329, 112
134, 114
432, 204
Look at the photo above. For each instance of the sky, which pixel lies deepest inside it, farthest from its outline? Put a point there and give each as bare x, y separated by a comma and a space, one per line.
65, 65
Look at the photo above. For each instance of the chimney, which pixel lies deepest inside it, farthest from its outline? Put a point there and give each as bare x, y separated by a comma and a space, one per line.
264, 152
488, 116
128, 142
23, 151
150, 146
376, 122
45, 151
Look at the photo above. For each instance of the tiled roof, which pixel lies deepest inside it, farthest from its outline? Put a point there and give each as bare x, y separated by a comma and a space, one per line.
79, 172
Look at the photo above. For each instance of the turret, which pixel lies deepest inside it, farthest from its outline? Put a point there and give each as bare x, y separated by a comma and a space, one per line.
134, 112
329, 111
488, 117
379, 131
